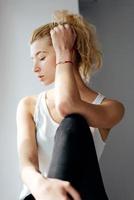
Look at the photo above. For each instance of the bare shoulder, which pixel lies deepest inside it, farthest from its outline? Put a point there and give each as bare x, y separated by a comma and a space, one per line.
28, 103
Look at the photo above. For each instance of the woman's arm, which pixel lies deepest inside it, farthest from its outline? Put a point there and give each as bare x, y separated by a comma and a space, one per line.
63, 38
26, 144
65, 83
68, 100
41, 187
105, 115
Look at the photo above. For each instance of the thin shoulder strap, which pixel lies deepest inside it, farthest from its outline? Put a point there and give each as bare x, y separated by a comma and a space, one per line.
36, 111
99, 98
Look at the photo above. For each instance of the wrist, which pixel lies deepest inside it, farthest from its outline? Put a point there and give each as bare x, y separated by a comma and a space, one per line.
32, 177
64, 62
38, 182
63, 55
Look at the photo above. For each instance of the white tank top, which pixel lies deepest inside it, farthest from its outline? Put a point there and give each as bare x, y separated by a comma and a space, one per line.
45, 132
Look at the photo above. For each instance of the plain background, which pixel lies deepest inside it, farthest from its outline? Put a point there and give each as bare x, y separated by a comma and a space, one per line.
17, 20
114, 22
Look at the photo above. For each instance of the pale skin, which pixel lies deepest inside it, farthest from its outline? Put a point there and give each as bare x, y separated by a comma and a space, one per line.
72, 96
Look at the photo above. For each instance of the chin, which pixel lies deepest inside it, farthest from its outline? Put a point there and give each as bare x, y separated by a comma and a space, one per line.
47, 82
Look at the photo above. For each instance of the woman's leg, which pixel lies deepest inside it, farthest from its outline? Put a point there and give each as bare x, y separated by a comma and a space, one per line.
29, 197
74, 158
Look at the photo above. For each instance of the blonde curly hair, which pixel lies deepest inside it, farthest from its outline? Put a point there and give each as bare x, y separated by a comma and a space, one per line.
88, 52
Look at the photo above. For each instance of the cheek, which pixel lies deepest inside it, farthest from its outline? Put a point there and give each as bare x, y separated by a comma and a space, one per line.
53, 61
50, 67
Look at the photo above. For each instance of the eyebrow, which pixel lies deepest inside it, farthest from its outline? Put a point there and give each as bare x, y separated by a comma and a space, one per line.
39, 53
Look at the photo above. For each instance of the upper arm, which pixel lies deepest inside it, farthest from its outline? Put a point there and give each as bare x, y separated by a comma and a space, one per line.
109, 113
26, 140
105, 115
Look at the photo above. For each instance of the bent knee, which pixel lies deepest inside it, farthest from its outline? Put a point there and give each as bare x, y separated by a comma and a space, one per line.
75, 120
73, 124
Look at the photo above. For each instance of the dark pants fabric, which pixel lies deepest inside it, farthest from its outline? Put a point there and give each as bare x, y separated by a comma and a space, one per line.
74, 158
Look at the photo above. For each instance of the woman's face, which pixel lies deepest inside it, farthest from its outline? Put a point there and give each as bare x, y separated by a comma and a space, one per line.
44, 60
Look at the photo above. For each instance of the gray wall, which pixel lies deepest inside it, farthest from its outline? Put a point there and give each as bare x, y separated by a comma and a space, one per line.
114, 23
17, 20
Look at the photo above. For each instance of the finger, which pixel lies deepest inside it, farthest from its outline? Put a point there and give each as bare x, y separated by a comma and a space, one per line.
71, 28
61, 27
52, 31
56, 29
73, 192
67, 26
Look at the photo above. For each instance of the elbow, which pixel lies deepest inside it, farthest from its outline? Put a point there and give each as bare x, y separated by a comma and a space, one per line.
117, 115
64, 109
121, 111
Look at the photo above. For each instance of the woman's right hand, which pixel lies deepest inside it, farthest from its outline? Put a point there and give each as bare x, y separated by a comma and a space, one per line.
55, 189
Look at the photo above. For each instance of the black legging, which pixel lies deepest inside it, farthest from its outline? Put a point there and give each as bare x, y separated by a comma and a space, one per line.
74, 158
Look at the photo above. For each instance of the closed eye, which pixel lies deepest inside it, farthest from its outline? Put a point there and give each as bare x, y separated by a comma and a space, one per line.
43, 58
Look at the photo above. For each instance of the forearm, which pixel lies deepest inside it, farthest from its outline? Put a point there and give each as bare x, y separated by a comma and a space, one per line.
65, 83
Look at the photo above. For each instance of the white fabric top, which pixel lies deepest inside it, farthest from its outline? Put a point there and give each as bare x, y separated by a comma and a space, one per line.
45, 131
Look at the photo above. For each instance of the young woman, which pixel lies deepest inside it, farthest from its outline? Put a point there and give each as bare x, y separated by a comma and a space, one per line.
62, 132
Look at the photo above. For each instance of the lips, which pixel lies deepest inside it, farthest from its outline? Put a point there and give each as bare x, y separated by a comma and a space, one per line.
40, 76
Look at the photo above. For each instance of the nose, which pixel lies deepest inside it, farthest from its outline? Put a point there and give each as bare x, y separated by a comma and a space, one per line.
36, 68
